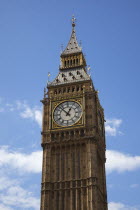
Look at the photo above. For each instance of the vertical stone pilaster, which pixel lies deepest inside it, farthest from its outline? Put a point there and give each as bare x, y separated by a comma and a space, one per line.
60, 199
71, 207
82, 199
65, 200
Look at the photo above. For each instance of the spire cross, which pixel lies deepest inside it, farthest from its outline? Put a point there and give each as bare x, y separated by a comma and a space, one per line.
73, 20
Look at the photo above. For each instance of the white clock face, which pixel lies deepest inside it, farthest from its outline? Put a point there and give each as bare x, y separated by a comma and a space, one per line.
67, 113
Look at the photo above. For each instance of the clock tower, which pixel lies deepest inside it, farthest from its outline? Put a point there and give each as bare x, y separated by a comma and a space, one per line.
73, 137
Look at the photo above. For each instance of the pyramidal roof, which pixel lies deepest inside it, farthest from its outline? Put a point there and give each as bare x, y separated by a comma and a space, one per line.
73, 46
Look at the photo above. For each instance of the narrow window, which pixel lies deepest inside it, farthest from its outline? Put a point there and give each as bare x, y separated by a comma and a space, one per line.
73, 89
70, 74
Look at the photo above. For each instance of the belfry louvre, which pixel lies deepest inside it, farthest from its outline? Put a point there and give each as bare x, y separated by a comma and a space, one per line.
73, 137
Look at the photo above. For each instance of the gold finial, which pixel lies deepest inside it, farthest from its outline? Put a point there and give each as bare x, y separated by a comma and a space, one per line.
73, 20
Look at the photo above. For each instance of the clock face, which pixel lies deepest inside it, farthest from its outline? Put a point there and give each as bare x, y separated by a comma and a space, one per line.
67, 113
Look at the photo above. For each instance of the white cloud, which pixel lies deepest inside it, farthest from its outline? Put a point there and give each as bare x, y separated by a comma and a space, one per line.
38, 116
17, 196
120, 206
112, 126
26, 111
4, 207
10, 107
120, 162
12, 196
5, 183
30, 163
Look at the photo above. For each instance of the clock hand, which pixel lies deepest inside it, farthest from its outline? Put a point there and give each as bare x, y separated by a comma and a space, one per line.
68, 113
65, 111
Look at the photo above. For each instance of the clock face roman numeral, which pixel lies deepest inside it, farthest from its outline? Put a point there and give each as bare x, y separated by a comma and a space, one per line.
67, 113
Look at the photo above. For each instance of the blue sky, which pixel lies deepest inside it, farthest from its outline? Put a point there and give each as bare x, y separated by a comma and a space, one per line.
31, 34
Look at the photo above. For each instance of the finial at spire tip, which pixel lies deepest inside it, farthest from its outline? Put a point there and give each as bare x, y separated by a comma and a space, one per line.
73, 20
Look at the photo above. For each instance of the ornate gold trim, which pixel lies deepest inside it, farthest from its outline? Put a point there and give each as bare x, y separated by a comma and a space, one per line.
77, 123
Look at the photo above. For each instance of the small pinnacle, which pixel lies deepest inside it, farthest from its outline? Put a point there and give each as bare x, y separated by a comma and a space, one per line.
88, 68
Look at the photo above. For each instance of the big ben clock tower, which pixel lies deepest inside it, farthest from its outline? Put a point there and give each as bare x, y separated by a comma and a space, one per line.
73, 138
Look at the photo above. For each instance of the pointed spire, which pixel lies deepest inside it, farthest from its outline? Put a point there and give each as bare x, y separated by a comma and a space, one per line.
73, 46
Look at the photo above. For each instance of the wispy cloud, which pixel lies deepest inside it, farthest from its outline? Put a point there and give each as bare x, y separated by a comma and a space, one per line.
112, 127
23, 109
15, 164
27, 112
12, 195
120, 162
29, 163
5, 207
121, 206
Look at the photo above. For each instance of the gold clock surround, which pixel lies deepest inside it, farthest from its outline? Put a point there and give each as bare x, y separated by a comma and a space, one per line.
78, 123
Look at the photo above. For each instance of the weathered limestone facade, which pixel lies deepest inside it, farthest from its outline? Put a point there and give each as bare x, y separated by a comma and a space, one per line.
73, 171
